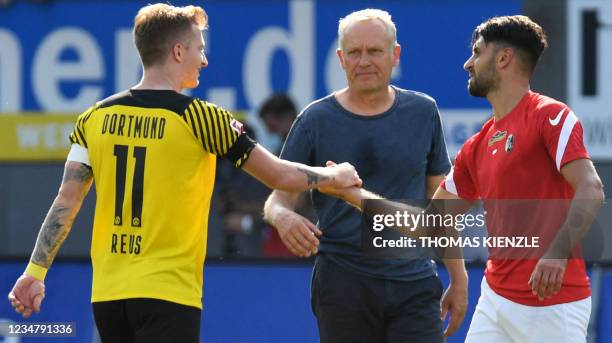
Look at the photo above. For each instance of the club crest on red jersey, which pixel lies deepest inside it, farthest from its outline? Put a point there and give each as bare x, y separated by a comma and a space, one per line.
509, 143
497, 136
237, 126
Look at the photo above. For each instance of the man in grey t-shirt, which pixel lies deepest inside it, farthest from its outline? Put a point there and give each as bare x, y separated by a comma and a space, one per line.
394, 139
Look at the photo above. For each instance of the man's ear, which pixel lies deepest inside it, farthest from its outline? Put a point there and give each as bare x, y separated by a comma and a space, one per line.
340, 57
505, 57
397, 49
177, 52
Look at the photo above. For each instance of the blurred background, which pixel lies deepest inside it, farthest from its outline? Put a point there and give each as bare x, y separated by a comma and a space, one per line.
267, 60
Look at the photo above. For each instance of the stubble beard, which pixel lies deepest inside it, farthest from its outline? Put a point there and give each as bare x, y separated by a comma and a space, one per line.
481, 86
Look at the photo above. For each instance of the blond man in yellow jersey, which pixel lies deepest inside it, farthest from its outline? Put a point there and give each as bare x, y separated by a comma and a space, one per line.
152, 153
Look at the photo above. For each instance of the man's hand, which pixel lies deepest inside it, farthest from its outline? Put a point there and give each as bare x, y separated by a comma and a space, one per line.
343, 174
454, 301
343, 193
547, 277
27, 295
298, 234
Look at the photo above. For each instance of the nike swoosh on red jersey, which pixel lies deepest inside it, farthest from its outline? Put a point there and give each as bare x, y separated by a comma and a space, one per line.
555, 121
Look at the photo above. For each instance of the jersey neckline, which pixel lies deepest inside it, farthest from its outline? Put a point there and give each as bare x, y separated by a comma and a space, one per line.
367, 117
516, 108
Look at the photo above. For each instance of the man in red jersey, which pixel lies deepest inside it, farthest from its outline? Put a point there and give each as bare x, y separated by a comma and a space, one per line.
531, 148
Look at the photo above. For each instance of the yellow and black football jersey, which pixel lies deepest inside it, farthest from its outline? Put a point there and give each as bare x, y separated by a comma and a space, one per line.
153, 155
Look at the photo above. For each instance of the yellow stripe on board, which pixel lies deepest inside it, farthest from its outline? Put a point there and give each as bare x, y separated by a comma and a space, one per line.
35, 136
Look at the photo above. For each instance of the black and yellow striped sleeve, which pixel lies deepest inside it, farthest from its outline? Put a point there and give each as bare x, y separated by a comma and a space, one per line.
78, 133
218, 131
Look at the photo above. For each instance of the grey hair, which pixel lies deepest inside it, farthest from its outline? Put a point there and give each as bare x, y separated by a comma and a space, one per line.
367, 14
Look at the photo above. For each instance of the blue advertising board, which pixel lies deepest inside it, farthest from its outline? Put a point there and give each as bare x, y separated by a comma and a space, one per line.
242, 303
64, 55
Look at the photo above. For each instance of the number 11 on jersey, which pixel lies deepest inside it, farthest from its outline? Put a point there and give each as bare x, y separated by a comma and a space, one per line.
121, 154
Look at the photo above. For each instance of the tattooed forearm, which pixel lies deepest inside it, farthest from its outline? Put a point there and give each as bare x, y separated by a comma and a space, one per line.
77, 172
313, 178
54, 230
77, 180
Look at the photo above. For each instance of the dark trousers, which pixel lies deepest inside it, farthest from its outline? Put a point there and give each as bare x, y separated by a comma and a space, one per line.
146, 320
352, 308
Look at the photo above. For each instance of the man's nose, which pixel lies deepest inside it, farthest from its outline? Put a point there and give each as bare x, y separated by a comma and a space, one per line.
364, 60
468, 64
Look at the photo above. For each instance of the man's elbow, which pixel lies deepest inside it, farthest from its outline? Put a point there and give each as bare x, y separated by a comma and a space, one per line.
599, 189
595, 189
69, 197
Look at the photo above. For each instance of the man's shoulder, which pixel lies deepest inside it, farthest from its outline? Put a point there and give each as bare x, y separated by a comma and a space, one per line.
166, 99
415, 97
207, 105
322, 104
113, 99
317, 108
545, 106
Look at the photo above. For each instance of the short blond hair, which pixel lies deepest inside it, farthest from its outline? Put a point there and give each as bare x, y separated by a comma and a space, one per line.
367, 14
157, 27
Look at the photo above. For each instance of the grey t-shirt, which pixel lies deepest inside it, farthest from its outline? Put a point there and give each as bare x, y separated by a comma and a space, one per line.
393, 153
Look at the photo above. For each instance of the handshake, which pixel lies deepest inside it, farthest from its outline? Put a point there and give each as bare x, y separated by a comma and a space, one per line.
344, 181
298, 233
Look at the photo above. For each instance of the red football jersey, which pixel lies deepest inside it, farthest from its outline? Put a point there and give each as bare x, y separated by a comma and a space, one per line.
517, 158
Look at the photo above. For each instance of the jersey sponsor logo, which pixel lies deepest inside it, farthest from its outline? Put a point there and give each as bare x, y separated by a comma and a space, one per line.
509, 143
557, 119
497, 136
237, 126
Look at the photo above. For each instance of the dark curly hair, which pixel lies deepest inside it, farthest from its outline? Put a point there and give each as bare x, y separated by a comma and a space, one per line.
517, 31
